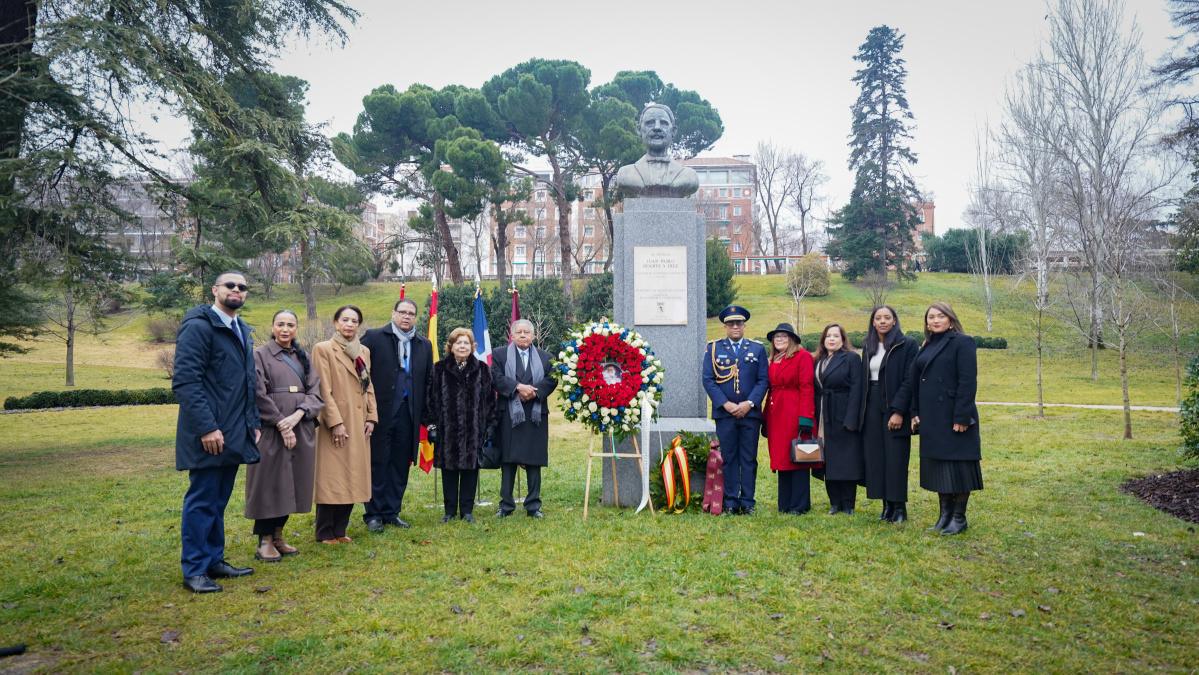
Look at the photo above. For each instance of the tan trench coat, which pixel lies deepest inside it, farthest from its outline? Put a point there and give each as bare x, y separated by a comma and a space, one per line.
281, 484
343, 475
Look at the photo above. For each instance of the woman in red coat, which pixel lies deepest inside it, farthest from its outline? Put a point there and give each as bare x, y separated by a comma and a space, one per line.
789, 412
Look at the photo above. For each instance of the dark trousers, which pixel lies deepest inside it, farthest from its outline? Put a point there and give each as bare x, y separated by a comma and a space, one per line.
739, 449
842, 493
795, 495
265, 527
885, 456
460, 487
332, 520
391, 458
203, 526
508, 479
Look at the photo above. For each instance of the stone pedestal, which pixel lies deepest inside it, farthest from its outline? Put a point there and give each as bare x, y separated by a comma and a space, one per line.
670, 226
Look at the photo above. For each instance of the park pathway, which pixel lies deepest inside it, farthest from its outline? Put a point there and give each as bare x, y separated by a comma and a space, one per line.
1089, 406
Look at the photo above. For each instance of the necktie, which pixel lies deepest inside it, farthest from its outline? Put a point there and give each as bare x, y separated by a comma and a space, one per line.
404, 348
237, 332
524, 359
736, 345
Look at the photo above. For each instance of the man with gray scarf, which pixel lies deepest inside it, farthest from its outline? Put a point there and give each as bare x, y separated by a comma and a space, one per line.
400, 364
521, 375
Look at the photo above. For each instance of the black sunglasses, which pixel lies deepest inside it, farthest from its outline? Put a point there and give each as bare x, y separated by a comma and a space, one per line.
241, 287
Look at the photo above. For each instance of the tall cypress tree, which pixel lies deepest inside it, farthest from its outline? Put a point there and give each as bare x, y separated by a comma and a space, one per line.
874, 230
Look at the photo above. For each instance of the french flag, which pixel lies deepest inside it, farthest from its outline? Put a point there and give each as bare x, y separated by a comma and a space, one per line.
482, 337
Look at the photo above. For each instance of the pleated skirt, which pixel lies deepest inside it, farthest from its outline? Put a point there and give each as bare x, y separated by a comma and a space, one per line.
949, 475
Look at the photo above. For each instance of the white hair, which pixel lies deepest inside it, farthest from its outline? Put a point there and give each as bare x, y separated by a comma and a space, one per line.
524, 322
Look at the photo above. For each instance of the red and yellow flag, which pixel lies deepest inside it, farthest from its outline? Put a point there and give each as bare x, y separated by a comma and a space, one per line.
426, 448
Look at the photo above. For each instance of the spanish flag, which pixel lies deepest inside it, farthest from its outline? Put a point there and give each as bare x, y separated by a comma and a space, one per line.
426, 448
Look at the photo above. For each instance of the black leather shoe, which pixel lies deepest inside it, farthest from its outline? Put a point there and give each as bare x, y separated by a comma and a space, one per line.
201, 584
374, 525
447, 517
536, 514
223, 570
888, 511
399, 522
834, 509
899, 512
468, 517
502, 514
748, 511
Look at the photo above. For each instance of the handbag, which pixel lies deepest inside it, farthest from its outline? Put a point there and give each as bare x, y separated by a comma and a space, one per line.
807, 451
489, 455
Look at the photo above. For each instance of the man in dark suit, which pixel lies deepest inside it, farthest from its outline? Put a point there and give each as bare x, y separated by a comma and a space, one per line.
218, 425
521, 375
401, 362
734, 375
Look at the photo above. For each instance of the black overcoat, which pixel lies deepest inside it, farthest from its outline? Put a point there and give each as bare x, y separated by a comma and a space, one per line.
385, 367
892, 378
461, 402
838, 400
526, 443
214, 384
942, 394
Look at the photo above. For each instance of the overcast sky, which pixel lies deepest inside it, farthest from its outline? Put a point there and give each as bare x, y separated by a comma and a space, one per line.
774, 70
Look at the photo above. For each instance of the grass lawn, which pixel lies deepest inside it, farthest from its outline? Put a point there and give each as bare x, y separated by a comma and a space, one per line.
1059, 571
1051, 575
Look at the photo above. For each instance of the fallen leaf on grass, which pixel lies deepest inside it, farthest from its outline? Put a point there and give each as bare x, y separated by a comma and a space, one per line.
578, 590
1017, 613
1138, 534
520, 637
985, 616
779, 658
777, 615
586, 642
1045, 608
825, 655
945, 625
741, 574
13, 605
169, 637
651, 646
455, 609
1052, 591
262, 589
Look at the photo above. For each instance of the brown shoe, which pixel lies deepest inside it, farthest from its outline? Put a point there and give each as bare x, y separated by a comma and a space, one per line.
266, 551
344, 539
281, 546
331, 542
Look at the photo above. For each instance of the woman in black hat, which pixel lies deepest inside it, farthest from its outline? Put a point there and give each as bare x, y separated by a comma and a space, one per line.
886, 428
789, 412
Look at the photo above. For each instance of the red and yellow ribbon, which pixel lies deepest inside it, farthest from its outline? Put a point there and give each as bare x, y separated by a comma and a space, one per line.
674, 463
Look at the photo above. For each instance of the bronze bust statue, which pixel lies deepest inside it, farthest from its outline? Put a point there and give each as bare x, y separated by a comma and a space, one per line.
656, 174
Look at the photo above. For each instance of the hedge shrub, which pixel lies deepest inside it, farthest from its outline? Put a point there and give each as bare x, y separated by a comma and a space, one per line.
1188, 418
80, 398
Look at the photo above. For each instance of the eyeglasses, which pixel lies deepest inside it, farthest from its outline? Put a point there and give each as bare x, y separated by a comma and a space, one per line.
402, 313
241, 287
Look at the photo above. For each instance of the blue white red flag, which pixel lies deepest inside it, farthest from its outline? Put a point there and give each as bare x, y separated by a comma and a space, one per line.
482, 336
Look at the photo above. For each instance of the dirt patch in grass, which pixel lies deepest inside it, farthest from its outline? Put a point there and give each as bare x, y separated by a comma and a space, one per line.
1176, 493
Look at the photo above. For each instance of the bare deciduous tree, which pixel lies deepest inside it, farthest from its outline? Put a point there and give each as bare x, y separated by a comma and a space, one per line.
774, 183
808, 178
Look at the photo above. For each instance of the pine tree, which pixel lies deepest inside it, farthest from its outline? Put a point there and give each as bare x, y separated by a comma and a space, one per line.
874, 230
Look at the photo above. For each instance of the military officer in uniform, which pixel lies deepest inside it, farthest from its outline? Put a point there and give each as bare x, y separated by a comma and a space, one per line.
735, 371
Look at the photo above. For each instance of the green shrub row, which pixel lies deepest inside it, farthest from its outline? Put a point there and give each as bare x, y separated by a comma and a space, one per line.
859, 338
80, 398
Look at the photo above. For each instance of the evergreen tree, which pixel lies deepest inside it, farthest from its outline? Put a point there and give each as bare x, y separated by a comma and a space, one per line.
721, 289
874, 230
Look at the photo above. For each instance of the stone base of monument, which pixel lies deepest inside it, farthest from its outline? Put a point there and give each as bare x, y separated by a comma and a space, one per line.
628, 474
660, 290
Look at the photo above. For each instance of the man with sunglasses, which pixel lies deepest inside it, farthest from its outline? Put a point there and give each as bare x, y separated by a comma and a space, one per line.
218, 425
401, 362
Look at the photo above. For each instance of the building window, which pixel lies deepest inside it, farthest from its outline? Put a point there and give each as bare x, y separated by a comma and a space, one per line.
589, 194
587, 249
736, 247
589, 212
520, 232
540, 214
518, 254
724, 230
541, 231
736, 210
589, 231
724, 211
724, 192
737, 229
541, 195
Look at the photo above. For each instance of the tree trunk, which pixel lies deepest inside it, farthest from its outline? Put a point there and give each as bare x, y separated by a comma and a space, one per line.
307, 287
564, 248
605, 185
1124, 382
452, 260
1040, 357
69, 307
500, 241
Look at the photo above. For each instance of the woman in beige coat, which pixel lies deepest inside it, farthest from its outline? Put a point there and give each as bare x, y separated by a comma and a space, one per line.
289, 401
343, 451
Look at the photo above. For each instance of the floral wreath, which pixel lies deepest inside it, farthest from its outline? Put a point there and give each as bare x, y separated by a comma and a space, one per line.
605, 371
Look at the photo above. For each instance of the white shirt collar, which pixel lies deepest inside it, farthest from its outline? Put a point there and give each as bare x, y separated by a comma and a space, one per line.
225, 318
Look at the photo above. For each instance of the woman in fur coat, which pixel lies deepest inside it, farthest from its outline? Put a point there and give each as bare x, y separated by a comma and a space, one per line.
460, 409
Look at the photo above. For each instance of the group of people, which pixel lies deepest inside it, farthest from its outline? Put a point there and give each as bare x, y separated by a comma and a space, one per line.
861, 410
341, 425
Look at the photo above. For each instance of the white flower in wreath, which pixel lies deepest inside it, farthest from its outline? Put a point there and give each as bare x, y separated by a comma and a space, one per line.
586, 398
657, 377
592, 406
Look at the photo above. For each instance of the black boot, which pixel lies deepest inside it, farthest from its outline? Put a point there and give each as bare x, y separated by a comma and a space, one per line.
946, 512
899, 512
847, 508
888, 511
957, 521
